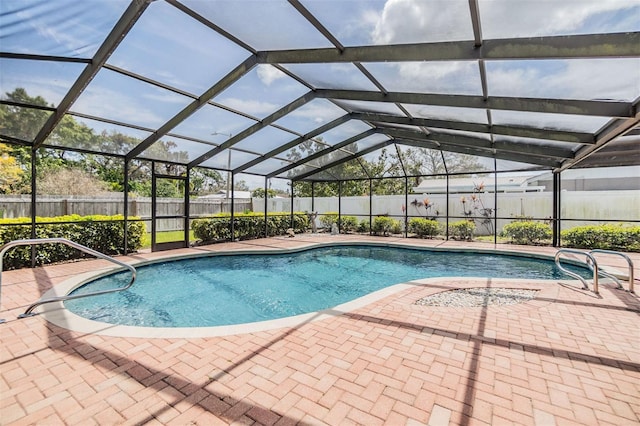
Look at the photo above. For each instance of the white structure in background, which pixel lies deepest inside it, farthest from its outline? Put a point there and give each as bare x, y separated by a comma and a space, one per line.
238, 195
604, 179
466, 185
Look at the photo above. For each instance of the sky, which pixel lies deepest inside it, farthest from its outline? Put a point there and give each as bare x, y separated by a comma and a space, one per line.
168, 46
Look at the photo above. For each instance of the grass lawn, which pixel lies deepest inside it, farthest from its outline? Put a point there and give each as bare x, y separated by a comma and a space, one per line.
165, 237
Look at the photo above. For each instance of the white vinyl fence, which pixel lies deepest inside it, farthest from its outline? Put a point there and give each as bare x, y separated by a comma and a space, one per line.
600, 206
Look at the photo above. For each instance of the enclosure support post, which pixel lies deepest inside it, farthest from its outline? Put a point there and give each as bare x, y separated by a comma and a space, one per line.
446, 234
495, 201
186, 208
153, 205
34, 153
406, 207
292, 195
266, 197
339, 206
313, 197
556, 209
232, 207
125, 189
370, 204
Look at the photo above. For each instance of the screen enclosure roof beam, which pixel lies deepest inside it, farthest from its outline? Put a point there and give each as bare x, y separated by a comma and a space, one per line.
614, 45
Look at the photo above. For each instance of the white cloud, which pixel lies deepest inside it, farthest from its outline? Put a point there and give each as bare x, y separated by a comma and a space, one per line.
616, 79
106, 103
253, 107
65, 27
268, 74
165, 97
461, 77
51, 89
412, 21
318, 112
530, 18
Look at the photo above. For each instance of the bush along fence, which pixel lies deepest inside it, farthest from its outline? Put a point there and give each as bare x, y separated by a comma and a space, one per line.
527, 232
608, 237
247, 226
101, 233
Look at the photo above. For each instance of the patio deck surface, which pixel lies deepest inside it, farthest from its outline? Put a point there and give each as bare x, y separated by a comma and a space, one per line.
566, 357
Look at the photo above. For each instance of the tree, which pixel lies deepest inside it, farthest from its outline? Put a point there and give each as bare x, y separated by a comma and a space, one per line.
424, 161
24, 123
259, 193
70, 182
205, 181
240, 185
10, 171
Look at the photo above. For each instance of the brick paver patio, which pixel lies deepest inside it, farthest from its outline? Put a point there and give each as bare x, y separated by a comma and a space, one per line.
566, 357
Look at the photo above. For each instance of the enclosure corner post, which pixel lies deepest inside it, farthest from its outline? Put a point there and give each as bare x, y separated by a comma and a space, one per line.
446, 227
292, 196
339, 206
232, 208
495, 201
370, 205
187, 205
34, 171
266, 216
153, 205
406, 207
125, 211
556, 210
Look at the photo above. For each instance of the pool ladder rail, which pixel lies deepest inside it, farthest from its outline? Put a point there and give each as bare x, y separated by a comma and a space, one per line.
31, 242
592, 264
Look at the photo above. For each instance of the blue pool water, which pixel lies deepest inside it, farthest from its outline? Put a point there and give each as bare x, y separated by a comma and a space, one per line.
236, 289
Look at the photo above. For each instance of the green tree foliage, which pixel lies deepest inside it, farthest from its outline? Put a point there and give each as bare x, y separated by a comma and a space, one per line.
24, 122
259, 193
387, 170
10, 171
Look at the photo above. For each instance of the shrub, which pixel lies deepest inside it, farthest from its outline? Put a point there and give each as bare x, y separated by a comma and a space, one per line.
396, 227
364, 226
462, 230
348, 224
527, 232
328, 219
607, 237
101, 233
247, 226
424, 228
385, 225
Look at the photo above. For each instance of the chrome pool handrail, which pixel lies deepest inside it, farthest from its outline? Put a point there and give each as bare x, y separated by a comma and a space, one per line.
630, 278
573, 274
75, 245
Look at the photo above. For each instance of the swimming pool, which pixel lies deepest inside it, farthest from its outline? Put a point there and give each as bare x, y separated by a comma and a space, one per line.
236, 289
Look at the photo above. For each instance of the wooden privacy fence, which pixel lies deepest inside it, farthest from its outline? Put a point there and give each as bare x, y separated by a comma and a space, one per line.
50, 206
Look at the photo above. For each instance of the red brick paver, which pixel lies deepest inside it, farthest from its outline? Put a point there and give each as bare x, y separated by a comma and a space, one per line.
567, 357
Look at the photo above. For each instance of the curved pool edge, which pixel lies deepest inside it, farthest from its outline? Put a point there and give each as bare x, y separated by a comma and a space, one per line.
57, 314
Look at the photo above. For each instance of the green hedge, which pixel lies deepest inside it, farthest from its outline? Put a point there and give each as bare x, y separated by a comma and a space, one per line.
328, 219
462, 230
363, 226
384, 225
102, 233
247, 226
348, 224
607, 237
527, 232
424, 228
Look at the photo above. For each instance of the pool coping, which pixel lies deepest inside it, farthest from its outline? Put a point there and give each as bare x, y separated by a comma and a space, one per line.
57, 314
